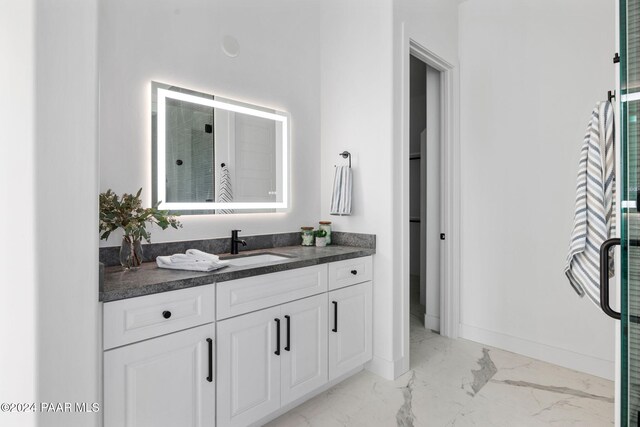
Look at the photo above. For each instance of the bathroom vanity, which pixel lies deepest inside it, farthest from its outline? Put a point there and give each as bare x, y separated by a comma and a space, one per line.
241, 345
238, 346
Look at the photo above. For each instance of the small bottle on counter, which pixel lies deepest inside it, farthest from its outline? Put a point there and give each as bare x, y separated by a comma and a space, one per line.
326, 226
307, 236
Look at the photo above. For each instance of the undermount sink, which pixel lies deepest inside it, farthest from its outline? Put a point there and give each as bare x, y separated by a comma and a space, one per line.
256, 259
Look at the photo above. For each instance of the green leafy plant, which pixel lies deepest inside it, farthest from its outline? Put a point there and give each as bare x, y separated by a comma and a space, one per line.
126, 212
320, 233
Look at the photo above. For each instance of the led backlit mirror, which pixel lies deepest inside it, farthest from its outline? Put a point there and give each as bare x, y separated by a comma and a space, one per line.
217, 156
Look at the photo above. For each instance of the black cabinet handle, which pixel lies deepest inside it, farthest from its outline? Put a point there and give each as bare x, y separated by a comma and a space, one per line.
335, 316
604, 277
166, 314
354, 272
288, 347
277, 352
210, 342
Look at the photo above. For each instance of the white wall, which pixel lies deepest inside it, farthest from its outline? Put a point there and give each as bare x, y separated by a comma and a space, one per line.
356, 106
178, 42
66, 201
18, 365
531, 73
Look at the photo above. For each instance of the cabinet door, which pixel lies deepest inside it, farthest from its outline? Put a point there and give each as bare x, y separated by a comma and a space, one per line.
248, 375
350, 323
161, 382
304, 357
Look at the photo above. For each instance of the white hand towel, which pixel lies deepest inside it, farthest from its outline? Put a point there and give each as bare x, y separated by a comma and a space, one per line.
165, 262
202, 256
342, 185
183, 259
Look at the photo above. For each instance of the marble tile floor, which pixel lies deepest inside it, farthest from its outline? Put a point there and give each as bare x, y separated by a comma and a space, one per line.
461, 383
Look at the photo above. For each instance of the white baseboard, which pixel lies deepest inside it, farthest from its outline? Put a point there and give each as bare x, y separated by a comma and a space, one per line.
556, 355
386, 369
432, 322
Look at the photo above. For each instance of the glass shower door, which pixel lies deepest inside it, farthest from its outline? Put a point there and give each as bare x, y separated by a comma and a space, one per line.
629, 214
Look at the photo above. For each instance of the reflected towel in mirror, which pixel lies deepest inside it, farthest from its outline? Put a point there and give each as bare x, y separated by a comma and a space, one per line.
225, 195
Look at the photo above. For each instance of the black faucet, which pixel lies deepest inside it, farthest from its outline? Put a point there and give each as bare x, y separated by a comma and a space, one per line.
235, 241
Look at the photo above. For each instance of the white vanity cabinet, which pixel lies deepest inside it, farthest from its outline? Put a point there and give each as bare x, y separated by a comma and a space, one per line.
270, 358
351, 322
304, 359
236, 353
167, 377
248, 370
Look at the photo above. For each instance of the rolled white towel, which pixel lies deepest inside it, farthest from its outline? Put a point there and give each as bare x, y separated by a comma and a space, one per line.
202, 256
184, 259
165, 262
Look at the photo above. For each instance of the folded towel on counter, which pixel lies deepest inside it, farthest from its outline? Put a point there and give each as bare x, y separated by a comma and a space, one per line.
194, 255
165, 262
182, 259
341, 196
204, 256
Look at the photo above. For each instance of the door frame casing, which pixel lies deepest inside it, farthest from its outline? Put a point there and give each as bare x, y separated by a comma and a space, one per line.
450, 191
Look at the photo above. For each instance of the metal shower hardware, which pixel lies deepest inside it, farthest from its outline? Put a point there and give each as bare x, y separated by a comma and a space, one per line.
345, 154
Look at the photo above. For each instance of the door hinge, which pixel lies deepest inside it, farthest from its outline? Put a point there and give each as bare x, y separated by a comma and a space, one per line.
616, 58
442, 236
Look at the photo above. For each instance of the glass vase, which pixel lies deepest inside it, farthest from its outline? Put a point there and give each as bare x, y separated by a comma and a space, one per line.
326, 226
130, 253
307, 236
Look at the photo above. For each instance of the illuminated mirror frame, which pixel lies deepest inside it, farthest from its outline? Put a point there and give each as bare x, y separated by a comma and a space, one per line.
161, 96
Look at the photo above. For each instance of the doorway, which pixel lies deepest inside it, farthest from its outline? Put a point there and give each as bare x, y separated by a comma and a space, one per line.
424, 193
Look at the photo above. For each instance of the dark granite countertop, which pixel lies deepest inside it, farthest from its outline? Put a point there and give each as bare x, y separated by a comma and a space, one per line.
149, 279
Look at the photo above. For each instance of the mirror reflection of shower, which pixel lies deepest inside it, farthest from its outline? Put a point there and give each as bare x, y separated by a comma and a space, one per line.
190, 156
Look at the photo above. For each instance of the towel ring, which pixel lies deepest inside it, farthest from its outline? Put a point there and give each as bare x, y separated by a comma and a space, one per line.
345, 154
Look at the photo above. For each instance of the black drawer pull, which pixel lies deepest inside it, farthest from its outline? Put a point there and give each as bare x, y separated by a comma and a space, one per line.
335, 316
354, 272
210, 342
277, 352
288, 346
166, 314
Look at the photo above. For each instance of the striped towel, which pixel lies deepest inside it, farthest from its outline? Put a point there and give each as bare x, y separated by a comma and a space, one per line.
594, 220
341, 198
225, 195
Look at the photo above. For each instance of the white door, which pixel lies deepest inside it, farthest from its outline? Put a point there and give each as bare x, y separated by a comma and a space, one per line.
248, 371
304, 357
161, 382
350, 323
433, 257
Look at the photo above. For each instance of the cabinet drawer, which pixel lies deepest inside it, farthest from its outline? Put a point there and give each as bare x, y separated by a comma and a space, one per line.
350, 272
140, 318
254, 293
